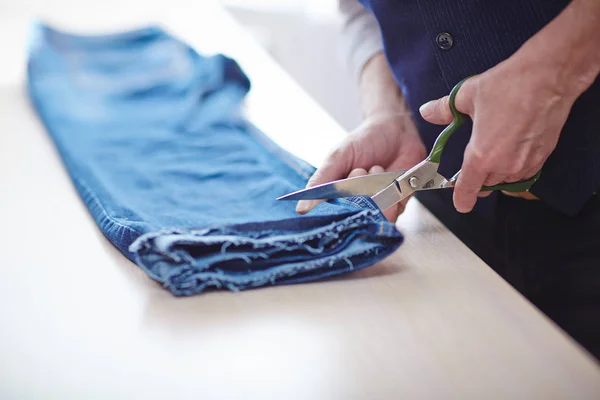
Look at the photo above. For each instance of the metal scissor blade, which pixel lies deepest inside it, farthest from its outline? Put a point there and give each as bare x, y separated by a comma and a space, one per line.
366, 185
397, 192
438, 182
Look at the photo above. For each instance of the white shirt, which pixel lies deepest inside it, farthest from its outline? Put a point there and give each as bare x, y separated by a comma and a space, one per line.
361, 33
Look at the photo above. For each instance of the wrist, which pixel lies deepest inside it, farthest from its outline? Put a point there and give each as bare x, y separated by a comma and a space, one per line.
379, 91
567, 48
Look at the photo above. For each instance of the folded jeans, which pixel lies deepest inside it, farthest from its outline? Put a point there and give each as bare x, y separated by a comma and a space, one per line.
176, 178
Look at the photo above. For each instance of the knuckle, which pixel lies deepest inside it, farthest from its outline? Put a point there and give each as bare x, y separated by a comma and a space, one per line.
338, 153
467, 94
480, 162
493, 180
315, 178
513, 178
471, 189
513, 169
476, 153
486, 164
443, 107
467, 187
538, 160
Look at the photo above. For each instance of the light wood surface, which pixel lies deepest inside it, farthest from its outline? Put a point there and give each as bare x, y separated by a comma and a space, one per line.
77, 320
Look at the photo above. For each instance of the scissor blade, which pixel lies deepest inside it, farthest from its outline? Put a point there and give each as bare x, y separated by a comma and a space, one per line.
366, 185
438, 182
393, 194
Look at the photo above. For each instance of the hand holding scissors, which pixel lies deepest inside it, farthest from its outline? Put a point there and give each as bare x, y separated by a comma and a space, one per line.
389, 188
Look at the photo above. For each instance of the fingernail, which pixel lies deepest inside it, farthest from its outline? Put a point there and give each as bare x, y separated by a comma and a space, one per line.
464, 210
427, 109
302, 207
376, 169
461, 208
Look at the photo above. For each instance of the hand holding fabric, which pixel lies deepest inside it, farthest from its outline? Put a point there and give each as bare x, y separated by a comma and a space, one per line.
387, 139
383, 142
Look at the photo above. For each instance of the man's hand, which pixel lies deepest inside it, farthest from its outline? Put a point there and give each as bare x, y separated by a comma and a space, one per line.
519, 107
385, 142
517, 118
387, 139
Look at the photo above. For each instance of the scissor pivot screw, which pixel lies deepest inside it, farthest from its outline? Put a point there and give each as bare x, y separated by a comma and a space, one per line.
413, 182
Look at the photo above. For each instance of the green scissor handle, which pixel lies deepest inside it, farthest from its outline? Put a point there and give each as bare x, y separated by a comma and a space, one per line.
459, 118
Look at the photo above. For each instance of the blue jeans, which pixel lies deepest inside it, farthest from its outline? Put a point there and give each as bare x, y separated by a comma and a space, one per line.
152, 137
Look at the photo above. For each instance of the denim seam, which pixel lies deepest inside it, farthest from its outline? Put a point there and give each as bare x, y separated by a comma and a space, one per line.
362, 204
77, 180
95, 199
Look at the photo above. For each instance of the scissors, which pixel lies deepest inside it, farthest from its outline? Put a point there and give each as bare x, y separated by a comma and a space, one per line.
389, 188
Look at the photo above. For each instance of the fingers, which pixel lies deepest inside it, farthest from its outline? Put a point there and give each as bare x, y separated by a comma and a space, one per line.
391, 214
336, 166
469, 184
437, 111
494, 179
491, 180
377, 169
357, 172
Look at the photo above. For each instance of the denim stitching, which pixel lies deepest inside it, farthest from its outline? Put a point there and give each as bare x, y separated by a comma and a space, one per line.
99, 205
361, 203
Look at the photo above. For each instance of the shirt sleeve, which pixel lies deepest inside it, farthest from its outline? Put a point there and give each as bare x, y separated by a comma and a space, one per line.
361, 35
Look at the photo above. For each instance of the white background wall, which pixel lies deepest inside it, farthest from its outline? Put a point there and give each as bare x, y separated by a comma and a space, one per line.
304, 37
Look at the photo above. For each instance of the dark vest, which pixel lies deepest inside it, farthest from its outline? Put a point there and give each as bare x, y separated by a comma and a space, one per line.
433, 44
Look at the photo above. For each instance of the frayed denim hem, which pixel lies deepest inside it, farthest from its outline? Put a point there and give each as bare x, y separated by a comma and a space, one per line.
188, 262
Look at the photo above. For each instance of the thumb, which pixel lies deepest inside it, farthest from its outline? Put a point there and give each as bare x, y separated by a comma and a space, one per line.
337, 166
469, 184
437, 111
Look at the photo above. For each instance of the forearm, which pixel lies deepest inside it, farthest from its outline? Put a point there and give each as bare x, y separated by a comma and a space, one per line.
364, 52
378, 89
568, 47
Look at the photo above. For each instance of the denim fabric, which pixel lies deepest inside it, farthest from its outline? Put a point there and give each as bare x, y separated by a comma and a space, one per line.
152, 137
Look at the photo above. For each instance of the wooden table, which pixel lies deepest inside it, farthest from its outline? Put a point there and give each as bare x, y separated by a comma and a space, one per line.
77, 320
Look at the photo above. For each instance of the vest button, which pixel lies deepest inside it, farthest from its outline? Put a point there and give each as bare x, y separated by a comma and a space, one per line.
444, 41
